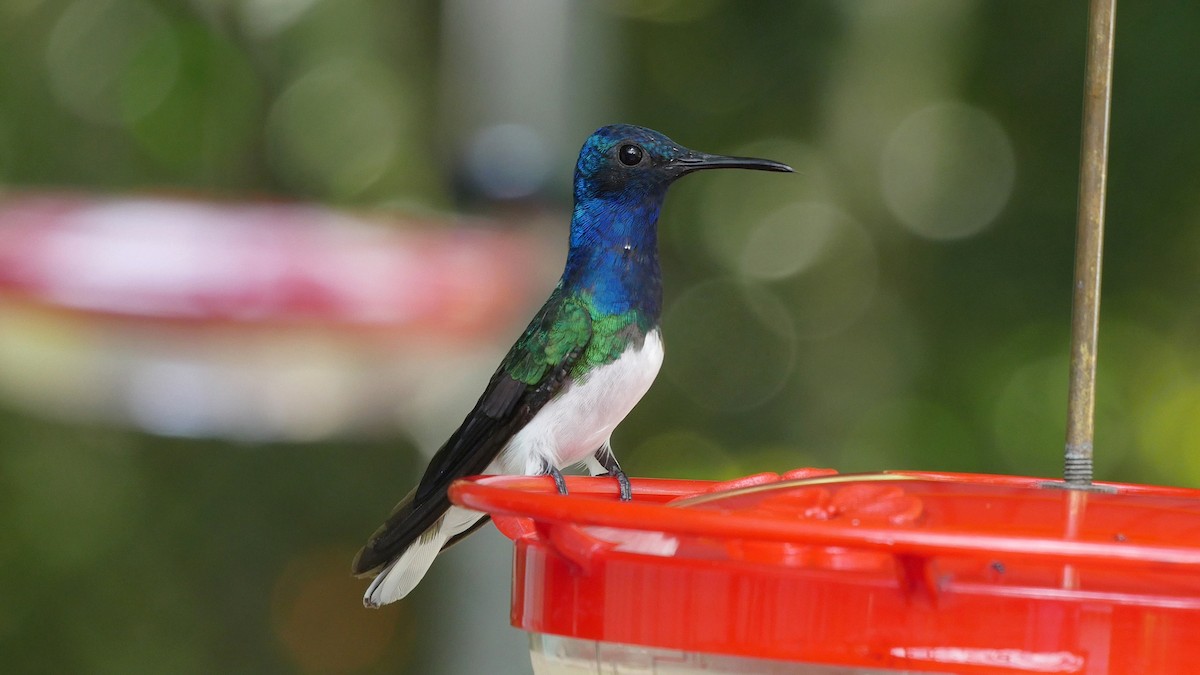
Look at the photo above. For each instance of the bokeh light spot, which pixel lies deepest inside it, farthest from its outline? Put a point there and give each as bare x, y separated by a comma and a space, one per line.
317, 613
111, 61
947, 171
334, 131
832, 292
789, 241
265, 18
1169, 433
1030, 416
732, 207
737, 346
220, 109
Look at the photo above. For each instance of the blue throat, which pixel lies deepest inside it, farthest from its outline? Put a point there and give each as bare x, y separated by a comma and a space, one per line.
614, 250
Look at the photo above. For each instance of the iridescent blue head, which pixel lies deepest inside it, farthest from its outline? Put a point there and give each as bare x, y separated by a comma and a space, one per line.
621, 180
623, 158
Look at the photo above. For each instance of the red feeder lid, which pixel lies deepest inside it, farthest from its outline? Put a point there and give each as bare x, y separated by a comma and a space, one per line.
923, 571
157, 258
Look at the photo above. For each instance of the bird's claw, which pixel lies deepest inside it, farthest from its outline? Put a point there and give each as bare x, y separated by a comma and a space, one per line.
623, 482
560, 483
611, 468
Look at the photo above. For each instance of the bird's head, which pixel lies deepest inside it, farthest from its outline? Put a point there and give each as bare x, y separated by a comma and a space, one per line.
632, 161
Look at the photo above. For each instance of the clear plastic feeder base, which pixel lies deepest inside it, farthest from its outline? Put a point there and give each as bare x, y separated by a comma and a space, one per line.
555, 655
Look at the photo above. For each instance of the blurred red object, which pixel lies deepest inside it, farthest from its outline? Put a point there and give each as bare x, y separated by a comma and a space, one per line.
260, 321
912, 571
176, 259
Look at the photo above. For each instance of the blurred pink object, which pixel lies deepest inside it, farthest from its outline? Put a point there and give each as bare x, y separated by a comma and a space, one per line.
261, 320
165, 258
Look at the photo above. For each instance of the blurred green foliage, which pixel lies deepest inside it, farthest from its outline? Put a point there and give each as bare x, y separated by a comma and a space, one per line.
902, 302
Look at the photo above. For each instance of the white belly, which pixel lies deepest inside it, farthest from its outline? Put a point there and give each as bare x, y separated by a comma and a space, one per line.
569, 428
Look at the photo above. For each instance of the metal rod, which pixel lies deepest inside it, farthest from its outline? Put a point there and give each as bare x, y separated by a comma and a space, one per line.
1089, 239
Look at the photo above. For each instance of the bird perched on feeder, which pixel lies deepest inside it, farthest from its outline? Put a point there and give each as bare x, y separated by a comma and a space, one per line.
587, 357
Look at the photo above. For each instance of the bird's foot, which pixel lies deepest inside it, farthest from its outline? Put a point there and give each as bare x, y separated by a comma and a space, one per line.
559, 482
623, 482
608, 460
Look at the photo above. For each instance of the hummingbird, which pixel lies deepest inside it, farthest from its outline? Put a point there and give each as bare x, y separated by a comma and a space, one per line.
585, 360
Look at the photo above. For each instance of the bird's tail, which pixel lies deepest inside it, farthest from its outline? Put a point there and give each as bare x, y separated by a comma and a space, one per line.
398, 565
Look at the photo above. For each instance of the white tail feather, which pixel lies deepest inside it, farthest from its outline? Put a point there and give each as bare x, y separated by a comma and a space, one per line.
403, 574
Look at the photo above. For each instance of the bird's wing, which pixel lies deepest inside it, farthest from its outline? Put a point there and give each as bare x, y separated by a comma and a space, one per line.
532, 373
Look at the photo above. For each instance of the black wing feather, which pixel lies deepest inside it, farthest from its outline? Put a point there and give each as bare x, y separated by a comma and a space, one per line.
507, 404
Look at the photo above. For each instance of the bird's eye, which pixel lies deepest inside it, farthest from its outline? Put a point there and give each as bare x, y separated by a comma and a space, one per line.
630, 155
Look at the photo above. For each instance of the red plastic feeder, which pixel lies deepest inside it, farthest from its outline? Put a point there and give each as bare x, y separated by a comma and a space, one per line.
814, 572
250, 320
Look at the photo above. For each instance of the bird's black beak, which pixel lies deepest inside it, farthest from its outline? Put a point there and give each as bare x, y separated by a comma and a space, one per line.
698, 161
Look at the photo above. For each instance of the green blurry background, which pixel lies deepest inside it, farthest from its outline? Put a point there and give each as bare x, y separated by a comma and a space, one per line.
902, 302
